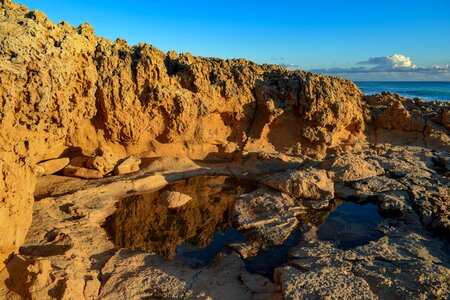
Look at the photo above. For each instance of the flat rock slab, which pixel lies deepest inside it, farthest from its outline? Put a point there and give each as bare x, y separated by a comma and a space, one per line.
328, 283
81, 172
267, 216
53, 165
350, 167
311, 184
137, 274
129, 165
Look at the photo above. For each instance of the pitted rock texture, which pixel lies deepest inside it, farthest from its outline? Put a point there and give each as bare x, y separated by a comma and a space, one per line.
400, 121
64, 90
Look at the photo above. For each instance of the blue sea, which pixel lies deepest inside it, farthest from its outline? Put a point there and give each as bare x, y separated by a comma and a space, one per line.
428, 90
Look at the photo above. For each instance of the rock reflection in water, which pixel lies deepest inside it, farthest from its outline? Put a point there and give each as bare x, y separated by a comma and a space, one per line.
147, 221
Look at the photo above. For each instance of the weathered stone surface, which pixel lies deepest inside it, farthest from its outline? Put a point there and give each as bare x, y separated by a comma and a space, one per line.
129, 165
406, 263
311, 184
393, 203
64, 86
259, 284
328, 283
65, 91
54, 165
79, 161
152, 276
400, 121
104, 160
81, 172
267, 215
350, 167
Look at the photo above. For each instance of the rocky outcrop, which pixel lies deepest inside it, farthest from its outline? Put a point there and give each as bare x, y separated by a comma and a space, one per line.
313, 185
400, 121
64, 90
65, 93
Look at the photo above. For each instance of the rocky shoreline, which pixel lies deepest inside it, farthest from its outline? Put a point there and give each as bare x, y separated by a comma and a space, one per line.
133, 119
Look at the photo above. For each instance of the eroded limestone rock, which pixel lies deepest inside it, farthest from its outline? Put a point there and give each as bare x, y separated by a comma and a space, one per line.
311, 184
73, 171
104, 160
350, 167
54, 165
269, 216
129, 165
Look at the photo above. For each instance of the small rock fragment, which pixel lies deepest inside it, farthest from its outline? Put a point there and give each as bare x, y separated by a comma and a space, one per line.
171, 199
54, 165
81, 172
129, 165
393, 203
105, 160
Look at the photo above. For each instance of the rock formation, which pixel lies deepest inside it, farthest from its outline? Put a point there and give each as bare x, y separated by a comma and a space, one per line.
66, 93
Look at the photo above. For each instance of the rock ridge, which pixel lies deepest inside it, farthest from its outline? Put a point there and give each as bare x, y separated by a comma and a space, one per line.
64, 93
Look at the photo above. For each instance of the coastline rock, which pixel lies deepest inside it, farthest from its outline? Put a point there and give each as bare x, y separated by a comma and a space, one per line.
267, 216
310, 184
65, 86
54, 165
328, 283
400, 121
349, 167
152, 276
129, 165
66, 92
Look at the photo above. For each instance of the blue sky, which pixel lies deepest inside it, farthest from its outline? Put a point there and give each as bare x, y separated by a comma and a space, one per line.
360, 40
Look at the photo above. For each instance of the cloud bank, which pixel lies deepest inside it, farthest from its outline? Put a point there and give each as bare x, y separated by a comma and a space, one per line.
289, 65
393, 62
396, 63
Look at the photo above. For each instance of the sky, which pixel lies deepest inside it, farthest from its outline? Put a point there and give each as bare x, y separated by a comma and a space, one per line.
359, 40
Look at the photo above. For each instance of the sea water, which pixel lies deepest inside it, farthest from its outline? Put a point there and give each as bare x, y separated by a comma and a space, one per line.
428, 90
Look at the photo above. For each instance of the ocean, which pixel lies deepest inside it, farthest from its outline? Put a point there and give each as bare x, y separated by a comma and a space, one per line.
428, 90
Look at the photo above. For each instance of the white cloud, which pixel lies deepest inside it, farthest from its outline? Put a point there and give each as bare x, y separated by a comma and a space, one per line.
392, 62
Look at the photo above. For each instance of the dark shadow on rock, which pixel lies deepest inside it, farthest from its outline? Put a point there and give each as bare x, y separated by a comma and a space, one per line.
45, 250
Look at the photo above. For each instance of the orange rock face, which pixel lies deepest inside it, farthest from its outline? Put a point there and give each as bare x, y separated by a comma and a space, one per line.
64, 88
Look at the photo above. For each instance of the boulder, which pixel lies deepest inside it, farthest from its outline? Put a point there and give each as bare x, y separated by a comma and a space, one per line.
129, 165
104, 161
54, 165
311, 184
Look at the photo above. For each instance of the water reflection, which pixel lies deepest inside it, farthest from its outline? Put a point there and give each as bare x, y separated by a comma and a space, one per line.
351, 225
190, 220
147, 221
